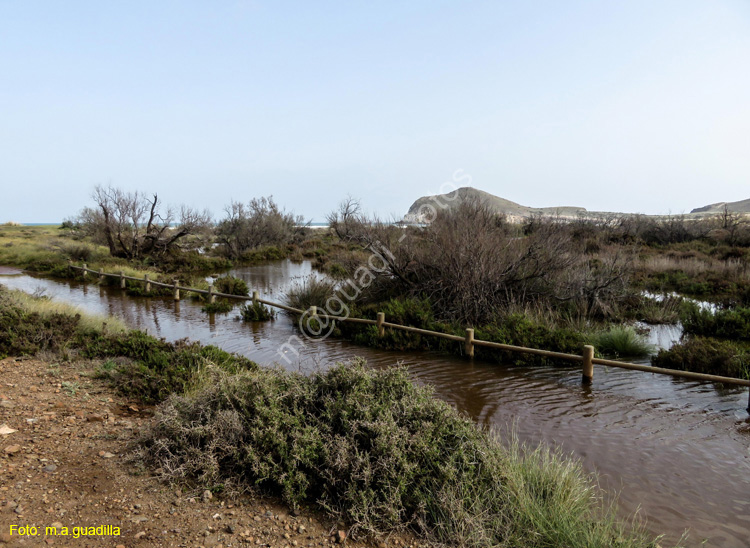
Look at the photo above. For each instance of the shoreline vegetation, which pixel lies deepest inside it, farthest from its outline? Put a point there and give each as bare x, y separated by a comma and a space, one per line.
368, 447
545, 283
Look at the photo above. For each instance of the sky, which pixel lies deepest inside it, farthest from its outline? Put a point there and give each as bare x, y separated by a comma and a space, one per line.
637, 106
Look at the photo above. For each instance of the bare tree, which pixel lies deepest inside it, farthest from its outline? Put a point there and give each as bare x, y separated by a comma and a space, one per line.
134, 226
258, 223
474, 266
348, 220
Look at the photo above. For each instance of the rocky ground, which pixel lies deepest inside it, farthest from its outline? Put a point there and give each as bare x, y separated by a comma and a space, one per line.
64, 443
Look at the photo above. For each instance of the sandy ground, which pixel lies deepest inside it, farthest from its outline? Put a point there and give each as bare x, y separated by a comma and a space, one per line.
66, 466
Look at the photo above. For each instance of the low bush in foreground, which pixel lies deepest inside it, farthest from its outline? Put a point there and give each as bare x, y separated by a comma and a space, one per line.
381, 453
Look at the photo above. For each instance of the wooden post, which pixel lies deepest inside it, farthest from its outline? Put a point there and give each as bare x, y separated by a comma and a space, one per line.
313, 311
381, 321
122, 280
176, 291
148, 283
84, 271
588, 364
256, 296
469, 342
101, 275
211, 296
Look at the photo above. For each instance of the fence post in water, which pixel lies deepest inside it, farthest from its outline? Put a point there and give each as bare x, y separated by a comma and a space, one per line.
588, 364
148, 283
211, 296
122, 279
84, 271
313, 311
256, 296
176, 291
381, 328
101, 275
469, 342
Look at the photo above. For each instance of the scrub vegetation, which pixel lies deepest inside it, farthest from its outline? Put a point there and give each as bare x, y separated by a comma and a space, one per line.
368, 447
544, 282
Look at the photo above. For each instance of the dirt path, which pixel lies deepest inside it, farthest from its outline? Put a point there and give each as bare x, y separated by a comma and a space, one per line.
65, 467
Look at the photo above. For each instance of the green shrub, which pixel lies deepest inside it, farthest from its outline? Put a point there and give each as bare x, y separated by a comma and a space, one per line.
158, 368
256, 313
231, 286
731, 323
380, 453
221, 306
707, 355
621, 341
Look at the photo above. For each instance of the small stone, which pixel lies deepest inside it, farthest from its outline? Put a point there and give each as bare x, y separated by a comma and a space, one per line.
340, 537
50, 468
216, 516
229, 529
207, 495
57, 525
301, 529
140, 534
95, 418
106, 454
12, 449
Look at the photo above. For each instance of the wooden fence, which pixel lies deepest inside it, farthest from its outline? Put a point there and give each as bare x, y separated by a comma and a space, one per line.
586, 358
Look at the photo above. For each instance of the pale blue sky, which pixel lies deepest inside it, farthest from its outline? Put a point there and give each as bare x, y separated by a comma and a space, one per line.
639, 106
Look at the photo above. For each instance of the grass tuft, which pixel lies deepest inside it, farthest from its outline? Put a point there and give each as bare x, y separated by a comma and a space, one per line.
623, 342
312, 291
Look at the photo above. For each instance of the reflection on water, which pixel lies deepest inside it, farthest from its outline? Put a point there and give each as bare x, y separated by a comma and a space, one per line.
676, 449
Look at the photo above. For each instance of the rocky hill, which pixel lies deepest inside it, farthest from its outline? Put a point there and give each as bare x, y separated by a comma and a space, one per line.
742, 206
424, 208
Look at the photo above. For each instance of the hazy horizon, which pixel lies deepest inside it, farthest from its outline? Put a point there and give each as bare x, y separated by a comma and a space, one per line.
638, 107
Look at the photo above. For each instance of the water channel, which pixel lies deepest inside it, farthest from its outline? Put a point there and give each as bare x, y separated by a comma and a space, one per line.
676, 451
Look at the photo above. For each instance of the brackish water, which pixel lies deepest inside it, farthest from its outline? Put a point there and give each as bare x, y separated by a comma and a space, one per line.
675, 450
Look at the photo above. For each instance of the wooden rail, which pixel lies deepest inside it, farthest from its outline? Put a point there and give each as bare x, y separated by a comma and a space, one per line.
586, 357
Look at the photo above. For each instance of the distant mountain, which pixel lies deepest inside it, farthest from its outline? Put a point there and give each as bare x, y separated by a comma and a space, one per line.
743, 206
424, 208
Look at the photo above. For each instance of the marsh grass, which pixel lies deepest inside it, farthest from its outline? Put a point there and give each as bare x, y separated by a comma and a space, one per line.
46, 307
622, 341
311, 291
380, 453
